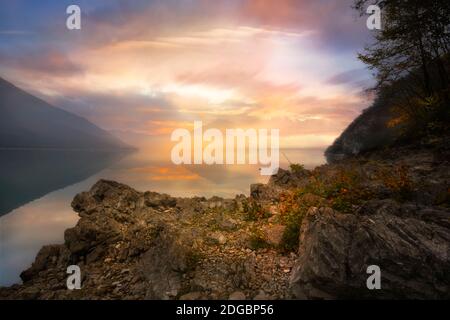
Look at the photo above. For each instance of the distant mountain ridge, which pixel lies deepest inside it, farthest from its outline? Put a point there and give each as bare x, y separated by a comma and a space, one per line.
29, 122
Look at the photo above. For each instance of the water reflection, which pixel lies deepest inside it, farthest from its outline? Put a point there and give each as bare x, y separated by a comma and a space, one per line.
26, 175
27, 181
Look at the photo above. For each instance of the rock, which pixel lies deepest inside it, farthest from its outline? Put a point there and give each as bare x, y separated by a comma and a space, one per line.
90, 232
261, 296
134, 245
274, 234
102, 193
312, 200
264, 192
45, 259
289, 179
335, 250
155, 200
228, 224
164, 263
237, 295
240, 200
217, 238
95, 254
191, 296
31, 293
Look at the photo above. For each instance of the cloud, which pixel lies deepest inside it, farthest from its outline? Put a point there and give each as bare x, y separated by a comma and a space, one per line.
147, 67
16, 32
357, 78
337, 25
42, 61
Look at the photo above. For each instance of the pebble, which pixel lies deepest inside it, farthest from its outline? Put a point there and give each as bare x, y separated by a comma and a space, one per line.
237, 295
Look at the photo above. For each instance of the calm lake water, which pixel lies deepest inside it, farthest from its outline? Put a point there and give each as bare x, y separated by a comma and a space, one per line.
37, 187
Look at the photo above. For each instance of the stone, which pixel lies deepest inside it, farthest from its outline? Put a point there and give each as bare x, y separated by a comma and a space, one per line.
31, 293
237, 295
163, 264
43, 261
228, 224
261, 296
274, 234
191, 296
217, 238
335, 250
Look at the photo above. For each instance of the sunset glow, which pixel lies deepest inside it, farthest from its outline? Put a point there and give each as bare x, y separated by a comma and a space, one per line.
146, 69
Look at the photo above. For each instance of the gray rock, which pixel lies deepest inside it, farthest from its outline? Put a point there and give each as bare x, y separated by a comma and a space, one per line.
164, 263
412, 248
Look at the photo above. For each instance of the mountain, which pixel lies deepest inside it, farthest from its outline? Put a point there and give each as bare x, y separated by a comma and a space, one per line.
29, 122
402, 113
367, 132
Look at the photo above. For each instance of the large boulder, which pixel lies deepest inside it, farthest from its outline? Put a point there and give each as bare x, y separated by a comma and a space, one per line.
410, 244
172, 254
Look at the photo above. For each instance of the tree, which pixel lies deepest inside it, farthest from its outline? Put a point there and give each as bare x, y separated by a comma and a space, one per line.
411, 53
414, 34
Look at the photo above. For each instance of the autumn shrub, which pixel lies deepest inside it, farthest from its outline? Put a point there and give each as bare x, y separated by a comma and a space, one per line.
255, 211
293, 208
343, 189
297, 168
398, 180
257, 240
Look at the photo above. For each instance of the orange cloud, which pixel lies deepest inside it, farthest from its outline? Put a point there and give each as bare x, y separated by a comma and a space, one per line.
257, 64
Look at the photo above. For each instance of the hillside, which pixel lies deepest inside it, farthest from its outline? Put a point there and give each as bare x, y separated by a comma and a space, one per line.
367, 132
400, 115
29, 122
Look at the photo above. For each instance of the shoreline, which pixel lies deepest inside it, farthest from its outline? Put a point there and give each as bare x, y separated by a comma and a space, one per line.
146, 245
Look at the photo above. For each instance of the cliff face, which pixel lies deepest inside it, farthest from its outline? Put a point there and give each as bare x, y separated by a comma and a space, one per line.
305, 234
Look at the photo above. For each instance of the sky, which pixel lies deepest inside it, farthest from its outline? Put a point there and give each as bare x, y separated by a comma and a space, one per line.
144, 68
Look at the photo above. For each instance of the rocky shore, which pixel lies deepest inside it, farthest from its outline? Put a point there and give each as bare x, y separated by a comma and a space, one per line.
304, 235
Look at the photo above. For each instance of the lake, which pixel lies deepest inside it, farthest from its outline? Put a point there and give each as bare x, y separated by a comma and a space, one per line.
37, 187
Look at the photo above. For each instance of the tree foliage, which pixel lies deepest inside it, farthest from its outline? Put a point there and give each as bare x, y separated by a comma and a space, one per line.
410, 57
